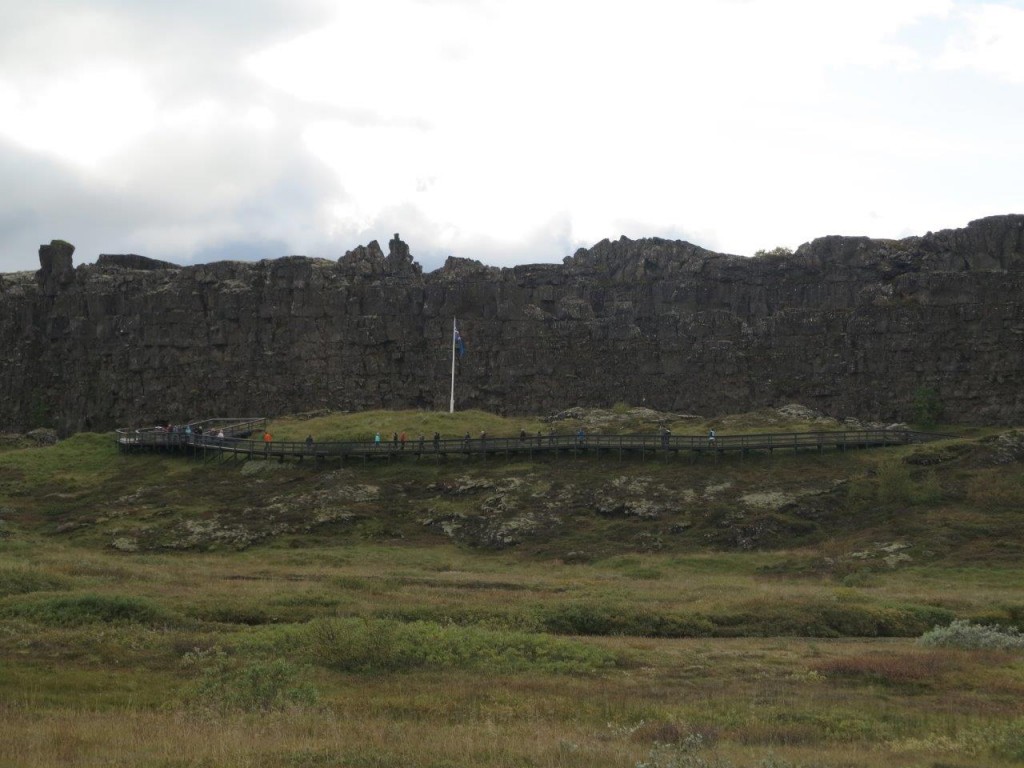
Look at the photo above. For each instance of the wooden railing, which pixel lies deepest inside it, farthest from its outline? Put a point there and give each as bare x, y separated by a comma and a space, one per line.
193, 433
237, 439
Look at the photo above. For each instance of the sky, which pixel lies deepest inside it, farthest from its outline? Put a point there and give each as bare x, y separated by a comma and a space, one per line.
507, 131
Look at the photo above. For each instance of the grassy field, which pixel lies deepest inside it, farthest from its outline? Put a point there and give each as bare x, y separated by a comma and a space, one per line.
760, 611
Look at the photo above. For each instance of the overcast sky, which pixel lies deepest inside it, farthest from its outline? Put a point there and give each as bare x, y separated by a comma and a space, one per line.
509, 131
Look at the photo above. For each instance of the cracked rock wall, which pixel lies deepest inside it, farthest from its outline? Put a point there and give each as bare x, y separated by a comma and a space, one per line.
846, 325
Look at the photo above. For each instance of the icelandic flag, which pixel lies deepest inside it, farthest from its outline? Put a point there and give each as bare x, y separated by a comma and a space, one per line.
460, 346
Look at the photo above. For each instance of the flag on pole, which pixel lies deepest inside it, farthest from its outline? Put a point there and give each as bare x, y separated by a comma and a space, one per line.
457, 346
460, 345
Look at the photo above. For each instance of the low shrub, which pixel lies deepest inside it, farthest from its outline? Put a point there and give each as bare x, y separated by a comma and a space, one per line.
780, 618
585, 619
889, 669
76, 610
689, 753
608, 619
828, 619
20, 581
965, 635
1008, 742
881, 621
225, 684
497, 618
378, 645
237, 613
898, 486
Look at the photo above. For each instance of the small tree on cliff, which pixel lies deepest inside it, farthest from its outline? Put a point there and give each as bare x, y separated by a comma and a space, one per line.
927, 407
776, 252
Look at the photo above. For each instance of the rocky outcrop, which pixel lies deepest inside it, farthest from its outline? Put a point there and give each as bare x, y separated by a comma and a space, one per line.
846, 325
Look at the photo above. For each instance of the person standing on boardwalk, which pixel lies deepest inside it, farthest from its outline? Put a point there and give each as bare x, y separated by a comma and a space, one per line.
711, 437
666, 433
376, 441
437, 442
402, 439
267, 439
309, 443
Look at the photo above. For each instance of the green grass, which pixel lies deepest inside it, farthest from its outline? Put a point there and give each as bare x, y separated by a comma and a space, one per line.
374, 646
363, 425
22, 579
569, 653
754, 611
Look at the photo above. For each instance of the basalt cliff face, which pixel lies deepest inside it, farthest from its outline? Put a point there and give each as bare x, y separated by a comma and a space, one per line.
850, 326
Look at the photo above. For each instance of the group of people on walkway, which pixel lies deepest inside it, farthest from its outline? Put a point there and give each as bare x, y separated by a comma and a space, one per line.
187, 434
400, 439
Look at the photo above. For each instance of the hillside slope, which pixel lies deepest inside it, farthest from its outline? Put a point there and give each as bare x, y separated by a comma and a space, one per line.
949, 500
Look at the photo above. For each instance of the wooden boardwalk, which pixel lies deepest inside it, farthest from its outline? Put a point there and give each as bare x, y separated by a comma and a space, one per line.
243, 439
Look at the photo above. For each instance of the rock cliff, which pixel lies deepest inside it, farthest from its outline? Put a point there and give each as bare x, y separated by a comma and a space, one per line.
847, 325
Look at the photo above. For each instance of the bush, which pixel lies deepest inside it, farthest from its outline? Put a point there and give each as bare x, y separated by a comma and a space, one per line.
965, 635
686, 754
585, 619
377, 645
896, 485
76, 610
497, 618
608, 619
827, 619
225, 684
237, 613
880, 621
927, 407
917, 669
778, 252
779, 618
19, 581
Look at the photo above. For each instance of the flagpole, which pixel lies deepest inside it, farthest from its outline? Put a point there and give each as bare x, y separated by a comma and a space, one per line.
451, 406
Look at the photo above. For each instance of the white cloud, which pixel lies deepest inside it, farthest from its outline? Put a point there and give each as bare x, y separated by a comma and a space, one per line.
991, 42
502, 131
665, 114
84, 117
